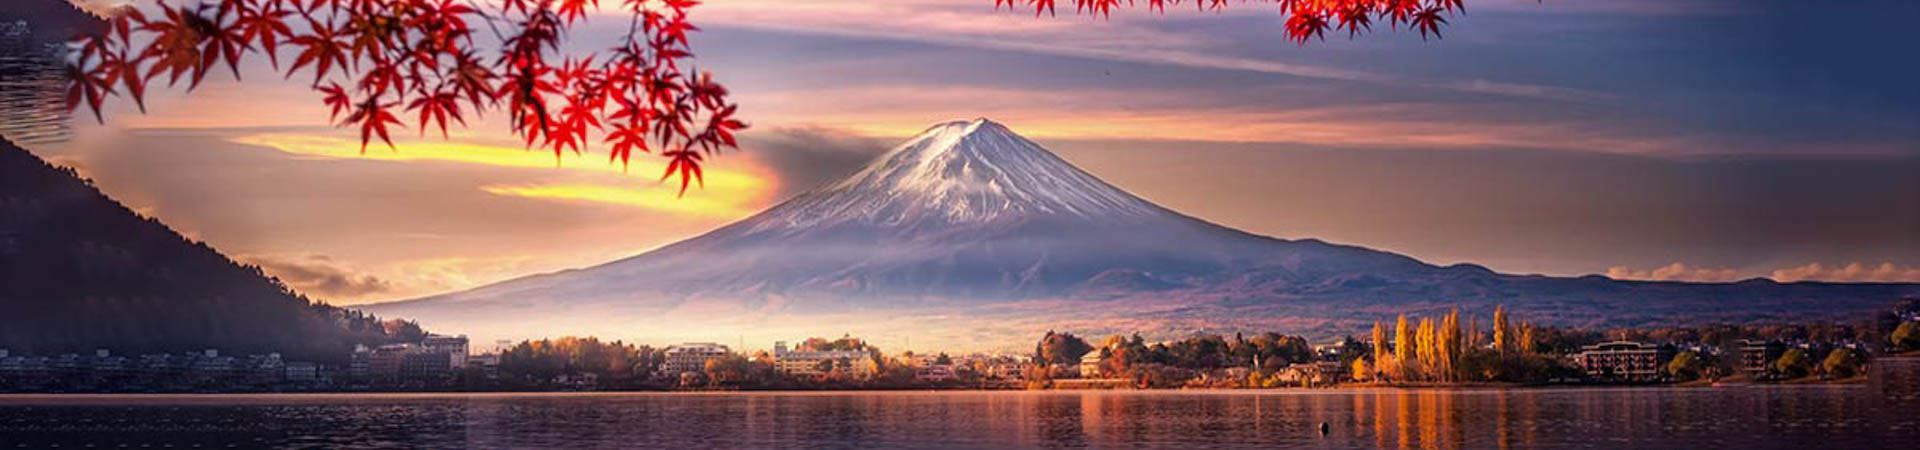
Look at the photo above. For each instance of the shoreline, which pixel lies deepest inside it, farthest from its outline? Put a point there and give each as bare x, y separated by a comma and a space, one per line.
1487, 387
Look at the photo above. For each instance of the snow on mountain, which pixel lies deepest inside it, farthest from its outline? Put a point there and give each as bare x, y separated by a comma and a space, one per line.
970, 215
960, 172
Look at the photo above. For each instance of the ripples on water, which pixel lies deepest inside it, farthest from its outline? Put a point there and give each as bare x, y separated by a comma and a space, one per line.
1879, 415
32, 87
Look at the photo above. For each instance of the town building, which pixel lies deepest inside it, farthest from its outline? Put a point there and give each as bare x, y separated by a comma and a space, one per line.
691, 357
1090, 364
455, 347
1624, 360
302, 372
1012, 370
935, 373
1756, 354
820, 363
409, 363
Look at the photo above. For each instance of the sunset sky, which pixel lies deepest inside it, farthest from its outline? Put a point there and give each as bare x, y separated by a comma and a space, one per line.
1708, 140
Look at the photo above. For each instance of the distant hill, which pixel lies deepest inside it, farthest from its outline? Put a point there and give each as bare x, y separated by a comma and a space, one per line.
80, 271
970, 234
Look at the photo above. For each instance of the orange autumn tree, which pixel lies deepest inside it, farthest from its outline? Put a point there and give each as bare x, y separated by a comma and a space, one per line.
436, 61
1305, 19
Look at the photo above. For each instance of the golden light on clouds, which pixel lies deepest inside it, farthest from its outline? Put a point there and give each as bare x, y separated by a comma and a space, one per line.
716, 200
727, 192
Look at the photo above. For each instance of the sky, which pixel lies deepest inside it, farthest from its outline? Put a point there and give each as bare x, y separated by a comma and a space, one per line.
1702, 140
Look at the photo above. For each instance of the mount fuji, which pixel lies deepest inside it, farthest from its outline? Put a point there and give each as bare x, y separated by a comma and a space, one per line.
972, 232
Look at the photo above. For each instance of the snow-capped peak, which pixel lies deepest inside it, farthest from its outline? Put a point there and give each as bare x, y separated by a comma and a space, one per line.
962, 171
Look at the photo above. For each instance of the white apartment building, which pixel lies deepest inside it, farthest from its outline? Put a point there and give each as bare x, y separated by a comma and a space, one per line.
691, 357
809, 363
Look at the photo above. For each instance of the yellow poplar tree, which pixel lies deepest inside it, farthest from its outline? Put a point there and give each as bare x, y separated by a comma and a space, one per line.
1526, 337
1429, 360
1501, 341
1403, 348
1448, 345
1382, 359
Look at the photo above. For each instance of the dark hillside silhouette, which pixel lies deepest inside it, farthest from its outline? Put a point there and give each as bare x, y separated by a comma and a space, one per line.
79, 271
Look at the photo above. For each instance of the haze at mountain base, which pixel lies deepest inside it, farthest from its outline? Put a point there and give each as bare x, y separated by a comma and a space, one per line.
972, 232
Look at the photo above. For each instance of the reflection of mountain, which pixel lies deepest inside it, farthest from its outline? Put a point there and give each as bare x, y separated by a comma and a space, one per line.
80, 271
969, 213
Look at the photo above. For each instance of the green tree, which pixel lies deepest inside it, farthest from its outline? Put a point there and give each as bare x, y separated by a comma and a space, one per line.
1793, 364
1686, 366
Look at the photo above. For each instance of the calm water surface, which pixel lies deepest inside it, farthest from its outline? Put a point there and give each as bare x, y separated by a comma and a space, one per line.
1744, 417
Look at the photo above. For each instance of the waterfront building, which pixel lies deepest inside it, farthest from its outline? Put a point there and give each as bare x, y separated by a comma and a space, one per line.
455, 347
935, 373
360, 364
409, 363
691, 357
1756, 354
1090, 364
302, 372
1624, 360
1007, 370
820, 363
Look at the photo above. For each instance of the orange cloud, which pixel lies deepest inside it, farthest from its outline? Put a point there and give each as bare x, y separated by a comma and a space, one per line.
717, 200
1675, 272
726, 193
1852, 272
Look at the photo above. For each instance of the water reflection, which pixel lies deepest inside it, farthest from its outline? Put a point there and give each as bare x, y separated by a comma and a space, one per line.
32, 104
1768, 417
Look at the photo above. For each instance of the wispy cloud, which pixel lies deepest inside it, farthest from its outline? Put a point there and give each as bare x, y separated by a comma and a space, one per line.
727, 190
1851, 272
320, 276
721, 201
1675, 272
1136, 39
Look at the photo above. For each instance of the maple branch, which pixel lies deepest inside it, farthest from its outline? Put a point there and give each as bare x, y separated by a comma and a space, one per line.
420, 56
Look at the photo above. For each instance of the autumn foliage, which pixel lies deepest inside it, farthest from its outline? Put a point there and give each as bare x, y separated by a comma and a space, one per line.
1305, 19
379, 64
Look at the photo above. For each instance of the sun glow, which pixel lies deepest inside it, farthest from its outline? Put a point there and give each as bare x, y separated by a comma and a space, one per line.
724, 193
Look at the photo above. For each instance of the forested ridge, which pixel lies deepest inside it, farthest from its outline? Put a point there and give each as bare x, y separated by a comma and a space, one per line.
80, 271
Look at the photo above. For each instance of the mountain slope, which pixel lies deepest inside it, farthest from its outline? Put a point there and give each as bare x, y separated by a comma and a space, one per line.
79, 271
968, 218
965, 210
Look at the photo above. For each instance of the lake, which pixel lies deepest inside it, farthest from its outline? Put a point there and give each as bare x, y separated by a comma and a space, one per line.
1856, 416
